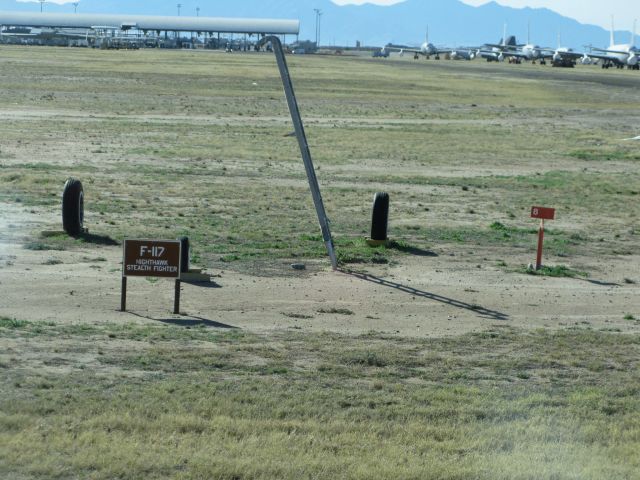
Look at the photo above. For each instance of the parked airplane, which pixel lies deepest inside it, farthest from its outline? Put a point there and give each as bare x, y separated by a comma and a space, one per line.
463, 53
562, 56
565, 57
528, 51
496, 52
620, 55
427, 49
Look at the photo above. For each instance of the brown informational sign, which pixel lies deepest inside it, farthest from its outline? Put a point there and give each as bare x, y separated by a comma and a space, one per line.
543, 213
151, 258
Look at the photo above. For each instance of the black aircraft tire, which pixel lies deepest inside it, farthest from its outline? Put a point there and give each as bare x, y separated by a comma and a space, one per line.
73, 207
184, 254
380, 216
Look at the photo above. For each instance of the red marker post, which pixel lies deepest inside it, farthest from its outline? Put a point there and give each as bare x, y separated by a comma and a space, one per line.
543, 214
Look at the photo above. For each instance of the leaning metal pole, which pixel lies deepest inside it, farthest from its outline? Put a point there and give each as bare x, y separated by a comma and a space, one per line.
304, 146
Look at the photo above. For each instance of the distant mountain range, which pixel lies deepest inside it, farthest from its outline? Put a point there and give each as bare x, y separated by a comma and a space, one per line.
450, 22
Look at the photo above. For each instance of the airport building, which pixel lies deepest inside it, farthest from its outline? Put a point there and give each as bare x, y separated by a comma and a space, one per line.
136, 31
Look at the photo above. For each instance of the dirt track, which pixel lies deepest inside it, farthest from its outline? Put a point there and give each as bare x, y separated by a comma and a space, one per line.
430, 295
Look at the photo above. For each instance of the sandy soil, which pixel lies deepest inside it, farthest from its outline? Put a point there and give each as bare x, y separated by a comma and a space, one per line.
447, 293
434, 295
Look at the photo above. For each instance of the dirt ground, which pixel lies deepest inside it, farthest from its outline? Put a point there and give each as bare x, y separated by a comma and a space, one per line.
435, 295
436, 356
446, 291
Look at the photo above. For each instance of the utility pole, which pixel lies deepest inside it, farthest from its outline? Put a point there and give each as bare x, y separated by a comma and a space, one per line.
41, 4
319, 27
197, 11
75, 6
179, 7
318, 13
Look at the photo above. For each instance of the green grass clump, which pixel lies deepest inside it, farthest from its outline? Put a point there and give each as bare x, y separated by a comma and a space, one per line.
336, 311
366, 358
605, 154
356, 250
41, 246
301, 316
556, 271
6, 322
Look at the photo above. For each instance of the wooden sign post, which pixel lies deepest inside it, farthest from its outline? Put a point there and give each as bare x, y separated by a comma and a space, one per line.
151, 258
543, 214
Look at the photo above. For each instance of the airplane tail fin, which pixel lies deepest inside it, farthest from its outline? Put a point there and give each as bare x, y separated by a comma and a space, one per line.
633, 33
612, 40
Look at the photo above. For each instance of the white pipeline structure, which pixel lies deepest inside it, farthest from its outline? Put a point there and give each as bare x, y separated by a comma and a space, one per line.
147, 23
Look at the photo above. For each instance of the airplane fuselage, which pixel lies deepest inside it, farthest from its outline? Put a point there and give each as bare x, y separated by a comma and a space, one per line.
428, 49
532, 52
623, 54
462, 54
493, 55
561, 53
620, 54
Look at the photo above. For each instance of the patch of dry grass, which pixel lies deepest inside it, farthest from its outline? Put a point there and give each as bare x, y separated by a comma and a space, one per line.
165, 402
199, 150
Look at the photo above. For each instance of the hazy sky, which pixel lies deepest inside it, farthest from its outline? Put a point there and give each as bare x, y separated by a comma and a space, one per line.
586, 11
595, 12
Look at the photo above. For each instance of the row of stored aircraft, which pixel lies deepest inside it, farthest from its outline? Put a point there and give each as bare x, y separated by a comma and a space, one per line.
617, 55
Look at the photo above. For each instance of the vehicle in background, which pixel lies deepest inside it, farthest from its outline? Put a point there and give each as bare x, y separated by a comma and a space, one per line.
382, 53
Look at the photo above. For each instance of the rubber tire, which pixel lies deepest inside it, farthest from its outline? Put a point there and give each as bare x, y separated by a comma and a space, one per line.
380, 216
73, 207
184, 254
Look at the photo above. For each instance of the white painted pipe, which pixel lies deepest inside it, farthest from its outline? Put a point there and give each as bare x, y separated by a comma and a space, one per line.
151, 23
